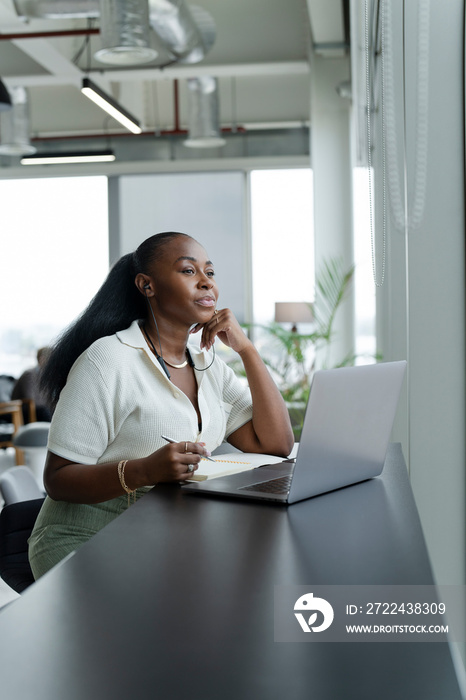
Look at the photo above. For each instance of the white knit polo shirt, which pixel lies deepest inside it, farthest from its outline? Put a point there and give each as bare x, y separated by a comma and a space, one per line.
117, 402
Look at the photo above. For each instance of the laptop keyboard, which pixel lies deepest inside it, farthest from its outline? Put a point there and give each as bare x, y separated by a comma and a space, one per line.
281, 485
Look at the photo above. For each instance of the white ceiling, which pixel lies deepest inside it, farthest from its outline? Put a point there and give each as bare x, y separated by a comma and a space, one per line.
260, 56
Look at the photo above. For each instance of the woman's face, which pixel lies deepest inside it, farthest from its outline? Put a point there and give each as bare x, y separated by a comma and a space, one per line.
183, 283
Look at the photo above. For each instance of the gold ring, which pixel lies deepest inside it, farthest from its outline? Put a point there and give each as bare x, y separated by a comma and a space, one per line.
216, 311
185, 447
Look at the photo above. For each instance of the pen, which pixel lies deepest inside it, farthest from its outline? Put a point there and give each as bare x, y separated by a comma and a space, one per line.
164, 437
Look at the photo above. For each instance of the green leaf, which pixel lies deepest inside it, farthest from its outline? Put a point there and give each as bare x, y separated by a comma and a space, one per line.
290, 356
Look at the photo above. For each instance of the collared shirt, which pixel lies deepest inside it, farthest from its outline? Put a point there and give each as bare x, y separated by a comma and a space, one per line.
118, 402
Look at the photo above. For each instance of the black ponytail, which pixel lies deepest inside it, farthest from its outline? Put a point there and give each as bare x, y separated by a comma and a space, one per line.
115, 306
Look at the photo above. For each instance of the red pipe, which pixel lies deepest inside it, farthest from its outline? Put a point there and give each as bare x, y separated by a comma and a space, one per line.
164, 132
121, 134
45, 35
177, 105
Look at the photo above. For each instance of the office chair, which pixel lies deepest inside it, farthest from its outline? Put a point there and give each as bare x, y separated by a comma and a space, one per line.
19, 484
32, 439
16, 523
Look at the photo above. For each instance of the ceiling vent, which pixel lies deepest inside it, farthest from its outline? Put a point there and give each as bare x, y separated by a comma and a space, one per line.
204, 130
186, 32
124, 32
14, 125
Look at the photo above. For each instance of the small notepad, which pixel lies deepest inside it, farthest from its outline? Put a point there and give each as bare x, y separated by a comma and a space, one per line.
232, 463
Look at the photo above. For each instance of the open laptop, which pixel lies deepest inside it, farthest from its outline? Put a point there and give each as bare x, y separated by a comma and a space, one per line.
346, 430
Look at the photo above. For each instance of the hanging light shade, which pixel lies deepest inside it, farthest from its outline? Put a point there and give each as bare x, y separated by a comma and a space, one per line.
204, 130
14, 125
5, 99
124, 31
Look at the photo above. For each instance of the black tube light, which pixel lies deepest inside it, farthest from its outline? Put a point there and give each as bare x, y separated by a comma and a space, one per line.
109, 105
5, 99
66, 158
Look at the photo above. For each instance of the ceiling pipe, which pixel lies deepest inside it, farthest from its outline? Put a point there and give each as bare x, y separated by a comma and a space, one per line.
176, 106
187, 33
121, 134
48, 35
176, 131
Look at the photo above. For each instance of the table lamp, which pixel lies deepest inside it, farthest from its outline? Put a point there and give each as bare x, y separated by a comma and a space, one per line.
293, 312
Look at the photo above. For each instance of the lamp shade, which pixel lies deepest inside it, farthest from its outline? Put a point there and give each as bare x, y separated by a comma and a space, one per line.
293, 312
5, 99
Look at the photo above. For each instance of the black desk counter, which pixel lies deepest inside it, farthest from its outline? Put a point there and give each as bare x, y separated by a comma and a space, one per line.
175, 600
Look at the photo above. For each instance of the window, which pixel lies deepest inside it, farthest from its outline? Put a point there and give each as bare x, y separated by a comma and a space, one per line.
282, 239
54, 253
364, 287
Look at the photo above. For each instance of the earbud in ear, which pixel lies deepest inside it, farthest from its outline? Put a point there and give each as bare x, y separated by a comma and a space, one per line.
147, 286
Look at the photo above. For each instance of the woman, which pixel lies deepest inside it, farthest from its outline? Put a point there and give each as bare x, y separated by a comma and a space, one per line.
123, 376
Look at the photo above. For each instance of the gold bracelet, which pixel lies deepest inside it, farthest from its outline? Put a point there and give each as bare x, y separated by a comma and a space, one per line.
121, 476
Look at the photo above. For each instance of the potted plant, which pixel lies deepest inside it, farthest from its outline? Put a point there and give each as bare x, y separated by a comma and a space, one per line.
292, 356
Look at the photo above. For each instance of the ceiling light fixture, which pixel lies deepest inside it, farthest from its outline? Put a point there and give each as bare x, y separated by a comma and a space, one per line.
64, 158
5, 99
109, 105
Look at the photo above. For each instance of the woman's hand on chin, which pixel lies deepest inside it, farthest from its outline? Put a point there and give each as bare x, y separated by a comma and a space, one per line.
223, 325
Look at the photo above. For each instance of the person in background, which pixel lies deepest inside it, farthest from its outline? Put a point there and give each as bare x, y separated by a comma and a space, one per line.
28, 387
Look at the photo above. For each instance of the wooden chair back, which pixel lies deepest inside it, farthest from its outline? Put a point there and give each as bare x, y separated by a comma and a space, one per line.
14, 410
